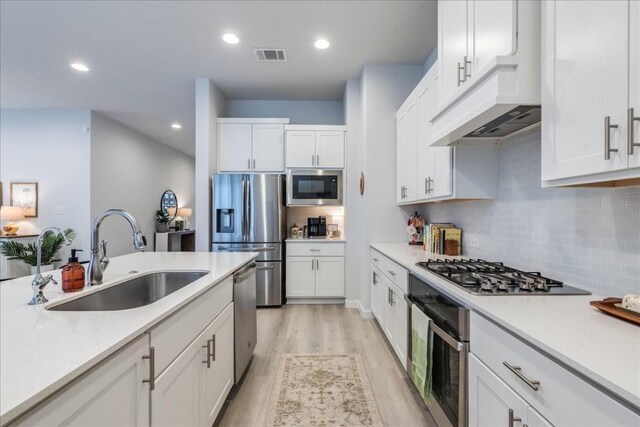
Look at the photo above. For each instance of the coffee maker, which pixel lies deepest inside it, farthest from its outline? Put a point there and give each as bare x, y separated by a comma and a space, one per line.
317, 227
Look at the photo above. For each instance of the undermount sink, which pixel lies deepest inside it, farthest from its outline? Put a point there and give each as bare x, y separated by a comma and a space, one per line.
137, 292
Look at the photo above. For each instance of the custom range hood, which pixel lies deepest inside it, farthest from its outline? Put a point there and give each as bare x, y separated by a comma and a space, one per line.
488, 98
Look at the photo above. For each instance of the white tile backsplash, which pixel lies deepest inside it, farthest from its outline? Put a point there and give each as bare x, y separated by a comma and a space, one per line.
588, 237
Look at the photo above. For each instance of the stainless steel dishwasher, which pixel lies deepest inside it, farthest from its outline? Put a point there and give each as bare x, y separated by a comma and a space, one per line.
245, 324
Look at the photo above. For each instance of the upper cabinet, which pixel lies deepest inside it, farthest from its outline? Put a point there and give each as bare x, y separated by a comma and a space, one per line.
251, 145
426, 173
321, 147
590, 92
488, 65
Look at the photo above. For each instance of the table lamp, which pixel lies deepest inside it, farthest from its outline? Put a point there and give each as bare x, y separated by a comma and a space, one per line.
11, 213
186, 214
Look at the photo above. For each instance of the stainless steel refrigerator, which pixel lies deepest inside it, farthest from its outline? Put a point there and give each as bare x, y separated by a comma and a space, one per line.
249, 215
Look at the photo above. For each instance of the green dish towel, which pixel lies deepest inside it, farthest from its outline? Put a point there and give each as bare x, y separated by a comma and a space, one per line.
421, 352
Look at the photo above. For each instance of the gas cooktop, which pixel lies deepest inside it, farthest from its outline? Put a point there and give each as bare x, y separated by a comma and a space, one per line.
482, 277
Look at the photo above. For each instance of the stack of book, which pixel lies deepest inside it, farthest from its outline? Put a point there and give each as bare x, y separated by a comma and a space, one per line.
443, 239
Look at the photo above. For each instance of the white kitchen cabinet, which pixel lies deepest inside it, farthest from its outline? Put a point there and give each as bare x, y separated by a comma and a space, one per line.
251, 145
315, 270
191, 391
321, 147
585, 135
268, 147
472, 34
407, 140
492, 403
389, 285
556, 394
234, 147
219, 376
112, 394
426, 173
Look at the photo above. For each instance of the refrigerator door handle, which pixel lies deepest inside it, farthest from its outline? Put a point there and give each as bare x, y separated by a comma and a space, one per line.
244, 191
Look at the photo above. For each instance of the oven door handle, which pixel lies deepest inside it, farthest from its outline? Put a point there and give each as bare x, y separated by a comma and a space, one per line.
455, 344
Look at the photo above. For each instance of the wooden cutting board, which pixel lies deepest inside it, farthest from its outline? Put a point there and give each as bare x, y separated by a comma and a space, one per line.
607, 305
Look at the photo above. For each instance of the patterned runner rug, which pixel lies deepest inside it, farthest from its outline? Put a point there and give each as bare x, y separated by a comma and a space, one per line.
322, 390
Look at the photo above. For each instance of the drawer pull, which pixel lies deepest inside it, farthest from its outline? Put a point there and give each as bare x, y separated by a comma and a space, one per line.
535, 385
314, 250
391, 272
207, 361
152, 368
376, 259
513, 419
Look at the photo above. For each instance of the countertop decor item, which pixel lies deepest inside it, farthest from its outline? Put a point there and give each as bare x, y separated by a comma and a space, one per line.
162, 221
25, 195
415, 226
611, 307
322, 390
51, 244
185, 214
11, 213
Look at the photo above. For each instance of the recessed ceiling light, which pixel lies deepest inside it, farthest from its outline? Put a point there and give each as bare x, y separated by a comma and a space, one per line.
321, 44
79, 66
231, 38
176, 125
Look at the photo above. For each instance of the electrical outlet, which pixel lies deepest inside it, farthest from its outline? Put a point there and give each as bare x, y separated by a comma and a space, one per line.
474, 242
62, 210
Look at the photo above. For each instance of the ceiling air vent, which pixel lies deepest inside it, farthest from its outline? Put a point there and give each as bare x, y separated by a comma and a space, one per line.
270, 54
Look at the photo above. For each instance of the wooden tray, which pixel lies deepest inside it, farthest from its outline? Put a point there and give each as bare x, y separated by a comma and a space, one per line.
607, 305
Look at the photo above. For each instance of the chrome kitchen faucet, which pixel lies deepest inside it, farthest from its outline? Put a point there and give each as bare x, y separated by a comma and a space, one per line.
39, 282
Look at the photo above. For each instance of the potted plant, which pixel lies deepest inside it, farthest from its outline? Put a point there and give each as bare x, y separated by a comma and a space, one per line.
51, 244
162, 221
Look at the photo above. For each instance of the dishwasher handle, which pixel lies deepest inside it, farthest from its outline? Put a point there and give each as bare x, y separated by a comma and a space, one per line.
245, 273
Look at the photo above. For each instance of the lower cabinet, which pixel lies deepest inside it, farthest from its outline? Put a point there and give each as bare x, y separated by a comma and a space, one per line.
388, 303
315, 270
493, 403
191, 391
113, 394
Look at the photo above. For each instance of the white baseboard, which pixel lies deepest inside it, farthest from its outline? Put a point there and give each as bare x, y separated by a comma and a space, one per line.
315, 301
354, 303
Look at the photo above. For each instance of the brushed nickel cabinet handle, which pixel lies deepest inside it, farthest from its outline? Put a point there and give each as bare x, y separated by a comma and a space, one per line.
375, 279
313, 264
535, 385
607, 138
513, 419
152, 368
254, 164
317, 159
213, 349
208, 359
248, 164
460, 80
391, 272
467, 73
631, 119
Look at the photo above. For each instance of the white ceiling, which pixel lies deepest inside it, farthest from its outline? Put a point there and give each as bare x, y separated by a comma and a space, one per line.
145, 55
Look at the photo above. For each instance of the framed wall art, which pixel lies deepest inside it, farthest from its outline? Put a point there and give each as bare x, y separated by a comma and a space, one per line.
25, 194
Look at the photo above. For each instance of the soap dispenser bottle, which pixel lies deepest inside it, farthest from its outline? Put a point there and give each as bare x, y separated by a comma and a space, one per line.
73, 274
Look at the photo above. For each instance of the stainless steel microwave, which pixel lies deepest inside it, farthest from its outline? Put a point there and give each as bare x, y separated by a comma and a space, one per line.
308, 187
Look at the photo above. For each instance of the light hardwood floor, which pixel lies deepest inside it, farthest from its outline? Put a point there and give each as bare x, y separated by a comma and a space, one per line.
323, 329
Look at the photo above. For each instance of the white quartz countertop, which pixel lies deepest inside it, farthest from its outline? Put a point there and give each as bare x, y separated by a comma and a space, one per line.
595, 345
42, 350
308, 240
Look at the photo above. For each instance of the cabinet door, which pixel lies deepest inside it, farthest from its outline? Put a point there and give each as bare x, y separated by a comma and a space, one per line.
301, 276
634, 78
111, 395
401, 156
401, 325
374, 287
234, 147
490, 400
330, 276
442, 184
301, 148
493, 31
219, 375
452, 41
268, 147
409, 164
330, 149
576, 33
424, 169
177, 398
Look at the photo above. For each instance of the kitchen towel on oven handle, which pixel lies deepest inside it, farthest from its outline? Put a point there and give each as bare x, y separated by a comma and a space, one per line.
421, 352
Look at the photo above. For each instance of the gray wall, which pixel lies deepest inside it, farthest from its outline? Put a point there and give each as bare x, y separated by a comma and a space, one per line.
588, 237
299, 112
51, 147
131, 171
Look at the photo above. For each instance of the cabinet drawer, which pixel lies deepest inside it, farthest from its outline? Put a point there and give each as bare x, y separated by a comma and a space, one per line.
315, 249
562, 397
396, 273
175, 333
